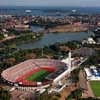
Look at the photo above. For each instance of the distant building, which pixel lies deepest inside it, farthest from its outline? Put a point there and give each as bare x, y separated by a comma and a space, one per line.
84, 51
22, 27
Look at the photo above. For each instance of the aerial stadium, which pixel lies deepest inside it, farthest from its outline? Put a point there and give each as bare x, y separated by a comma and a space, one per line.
35, 72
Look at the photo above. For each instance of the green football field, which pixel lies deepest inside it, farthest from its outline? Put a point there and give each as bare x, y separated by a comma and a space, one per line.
95, 85
38, 76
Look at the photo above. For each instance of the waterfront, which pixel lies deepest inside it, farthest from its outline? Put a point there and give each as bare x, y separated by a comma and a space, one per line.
52, 38
46, 11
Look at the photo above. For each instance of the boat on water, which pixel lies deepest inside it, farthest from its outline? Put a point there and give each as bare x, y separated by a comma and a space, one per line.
28, 11
58, 14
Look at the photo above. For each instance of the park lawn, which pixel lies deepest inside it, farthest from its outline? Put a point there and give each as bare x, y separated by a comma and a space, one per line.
95, 85
38, 76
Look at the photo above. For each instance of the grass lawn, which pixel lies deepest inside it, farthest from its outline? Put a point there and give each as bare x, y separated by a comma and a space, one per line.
95, 85
38, 76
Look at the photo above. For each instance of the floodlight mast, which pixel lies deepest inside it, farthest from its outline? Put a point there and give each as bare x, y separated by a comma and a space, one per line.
69, 60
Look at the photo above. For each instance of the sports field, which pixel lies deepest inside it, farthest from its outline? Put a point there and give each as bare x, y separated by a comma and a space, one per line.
95, 85
39, 76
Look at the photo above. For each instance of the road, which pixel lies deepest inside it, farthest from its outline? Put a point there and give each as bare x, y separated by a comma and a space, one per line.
8, 38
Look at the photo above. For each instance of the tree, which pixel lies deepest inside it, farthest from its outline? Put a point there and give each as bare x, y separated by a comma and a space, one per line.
75, 75
4, 94
75, 95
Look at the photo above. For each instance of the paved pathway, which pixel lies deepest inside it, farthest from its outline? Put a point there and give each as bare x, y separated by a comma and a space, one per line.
7, 38
67, 91
90, 90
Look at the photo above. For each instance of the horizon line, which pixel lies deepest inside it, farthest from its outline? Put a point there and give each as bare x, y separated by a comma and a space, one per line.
46, 6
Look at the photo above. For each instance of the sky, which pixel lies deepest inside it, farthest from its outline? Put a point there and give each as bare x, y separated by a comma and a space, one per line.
83, 3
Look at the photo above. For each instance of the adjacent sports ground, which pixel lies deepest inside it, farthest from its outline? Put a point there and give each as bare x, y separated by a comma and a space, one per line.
95, 85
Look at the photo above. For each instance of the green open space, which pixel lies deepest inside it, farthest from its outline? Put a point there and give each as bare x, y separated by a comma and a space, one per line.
38, 76
95, 85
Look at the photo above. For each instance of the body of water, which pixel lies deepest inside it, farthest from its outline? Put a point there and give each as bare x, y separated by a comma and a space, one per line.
35, 28
52, 38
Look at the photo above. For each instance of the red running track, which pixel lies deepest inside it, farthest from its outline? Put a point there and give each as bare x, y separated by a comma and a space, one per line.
33, 71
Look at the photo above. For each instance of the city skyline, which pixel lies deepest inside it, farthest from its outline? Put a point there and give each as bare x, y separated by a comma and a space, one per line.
82, 3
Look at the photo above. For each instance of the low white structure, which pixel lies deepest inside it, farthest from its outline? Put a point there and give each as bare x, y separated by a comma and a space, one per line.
88, 73
92, 73
57, 89
5, 35
89, 41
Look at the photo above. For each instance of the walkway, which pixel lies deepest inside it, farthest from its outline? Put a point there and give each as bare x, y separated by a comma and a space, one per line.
67, 91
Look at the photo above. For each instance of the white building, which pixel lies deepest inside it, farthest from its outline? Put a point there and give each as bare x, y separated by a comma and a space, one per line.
92, 73
89, 41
